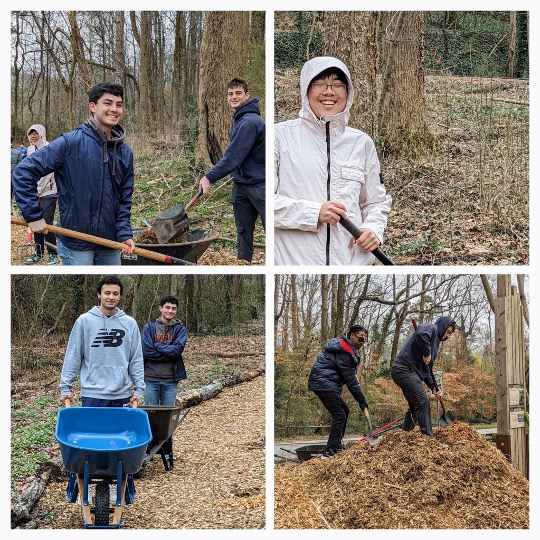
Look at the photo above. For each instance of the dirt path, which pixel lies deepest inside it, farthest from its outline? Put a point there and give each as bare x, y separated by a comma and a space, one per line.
218, 479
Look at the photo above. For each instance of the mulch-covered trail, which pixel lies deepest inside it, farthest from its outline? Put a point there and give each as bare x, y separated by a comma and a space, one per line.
455, 480
218, 478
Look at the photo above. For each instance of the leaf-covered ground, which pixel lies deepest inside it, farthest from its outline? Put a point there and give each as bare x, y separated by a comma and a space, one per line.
465, 202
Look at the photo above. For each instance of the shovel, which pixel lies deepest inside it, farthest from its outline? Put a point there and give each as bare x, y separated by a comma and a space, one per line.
446, 418
167, 259
170, 224
370, 439
376, 433
356, 232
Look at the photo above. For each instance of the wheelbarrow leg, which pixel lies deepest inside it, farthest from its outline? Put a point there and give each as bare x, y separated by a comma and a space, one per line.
83, 483
166, 454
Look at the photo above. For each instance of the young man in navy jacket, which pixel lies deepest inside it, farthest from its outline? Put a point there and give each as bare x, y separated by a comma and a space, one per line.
244, 160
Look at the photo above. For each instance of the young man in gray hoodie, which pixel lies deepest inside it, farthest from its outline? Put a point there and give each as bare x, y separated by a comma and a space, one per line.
105, 348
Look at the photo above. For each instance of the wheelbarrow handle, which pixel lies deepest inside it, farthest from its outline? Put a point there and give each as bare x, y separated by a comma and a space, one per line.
167, 259
356, 232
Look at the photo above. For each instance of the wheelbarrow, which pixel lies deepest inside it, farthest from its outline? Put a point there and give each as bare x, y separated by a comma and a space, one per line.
197, 242
163, 422
102, 446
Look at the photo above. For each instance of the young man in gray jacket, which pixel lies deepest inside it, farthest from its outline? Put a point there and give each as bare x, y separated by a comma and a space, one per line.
105, 348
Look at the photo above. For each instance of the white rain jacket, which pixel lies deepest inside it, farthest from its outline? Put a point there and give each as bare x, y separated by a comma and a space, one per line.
46, 185
321, 159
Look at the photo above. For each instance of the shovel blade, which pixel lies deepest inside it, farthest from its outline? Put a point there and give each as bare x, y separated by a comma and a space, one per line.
170, 224
446, 419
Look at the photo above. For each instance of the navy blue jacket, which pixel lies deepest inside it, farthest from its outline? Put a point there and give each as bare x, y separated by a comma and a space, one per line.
94, 178
424, 342
244, 158
154, 351
336, 366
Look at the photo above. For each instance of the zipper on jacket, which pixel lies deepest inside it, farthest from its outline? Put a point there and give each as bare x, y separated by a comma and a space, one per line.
328, 190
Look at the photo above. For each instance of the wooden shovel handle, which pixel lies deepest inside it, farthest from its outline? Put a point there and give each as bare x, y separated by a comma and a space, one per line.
106, 243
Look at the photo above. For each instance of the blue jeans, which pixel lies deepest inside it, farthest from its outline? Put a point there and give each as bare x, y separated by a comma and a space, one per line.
96, 402
74, 257
160, 393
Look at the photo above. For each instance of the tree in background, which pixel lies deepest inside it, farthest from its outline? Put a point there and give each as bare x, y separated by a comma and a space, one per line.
351, 36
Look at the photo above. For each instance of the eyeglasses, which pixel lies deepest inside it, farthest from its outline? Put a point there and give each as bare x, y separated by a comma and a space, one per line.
361, 339
337, 87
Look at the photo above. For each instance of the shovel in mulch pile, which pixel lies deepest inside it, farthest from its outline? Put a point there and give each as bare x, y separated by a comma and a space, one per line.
172, 223
370, 438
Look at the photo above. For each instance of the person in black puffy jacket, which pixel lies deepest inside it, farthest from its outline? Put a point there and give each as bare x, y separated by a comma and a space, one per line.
412, 369
336, 366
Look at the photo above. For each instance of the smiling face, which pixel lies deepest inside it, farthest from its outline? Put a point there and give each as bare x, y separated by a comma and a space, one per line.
108, 111
236, 97
33, 137
109, 298
168, 311
325, 99
358, 339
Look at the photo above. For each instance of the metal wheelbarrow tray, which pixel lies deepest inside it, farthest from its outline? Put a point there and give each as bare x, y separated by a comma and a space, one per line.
163, 422
197, 242
102, 446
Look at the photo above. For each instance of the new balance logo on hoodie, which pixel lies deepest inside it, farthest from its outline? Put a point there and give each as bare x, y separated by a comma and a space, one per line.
112, 338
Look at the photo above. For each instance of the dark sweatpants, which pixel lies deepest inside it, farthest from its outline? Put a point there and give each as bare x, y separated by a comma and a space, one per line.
48, 205
336, 406
415, 393
248, 203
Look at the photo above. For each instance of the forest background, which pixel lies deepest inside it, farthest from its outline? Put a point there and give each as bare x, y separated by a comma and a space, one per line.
174, 67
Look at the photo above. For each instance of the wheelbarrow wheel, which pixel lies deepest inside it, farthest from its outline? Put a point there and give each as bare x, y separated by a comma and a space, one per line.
101, 509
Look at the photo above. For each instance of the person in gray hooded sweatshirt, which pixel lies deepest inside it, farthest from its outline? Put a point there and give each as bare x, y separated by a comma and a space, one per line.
48, 195
412, 369
105, 348
93, 168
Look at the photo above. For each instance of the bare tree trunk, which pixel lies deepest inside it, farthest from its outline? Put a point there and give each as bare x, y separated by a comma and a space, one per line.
222, 57
294, 313
489, 293
119, 51
178, 84
402, 120
78, 50
511, 60
143, 39
324, 308
351, 36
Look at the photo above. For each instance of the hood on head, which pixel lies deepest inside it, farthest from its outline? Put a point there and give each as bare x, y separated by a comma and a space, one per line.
41, 132
442, 324
311, 69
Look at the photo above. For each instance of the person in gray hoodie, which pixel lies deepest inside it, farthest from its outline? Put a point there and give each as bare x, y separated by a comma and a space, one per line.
105, 349
48, 195
412, 369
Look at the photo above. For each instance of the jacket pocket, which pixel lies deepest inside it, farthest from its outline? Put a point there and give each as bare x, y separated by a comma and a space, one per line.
348, 186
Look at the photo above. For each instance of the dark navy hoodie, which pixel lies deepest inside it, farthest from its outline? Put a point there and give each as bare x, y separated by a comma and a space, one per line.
424, 342
244, 158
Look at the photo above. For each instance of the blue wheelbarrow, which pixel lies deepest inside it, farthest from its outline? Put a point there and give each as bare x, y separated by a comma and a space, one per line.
102, 446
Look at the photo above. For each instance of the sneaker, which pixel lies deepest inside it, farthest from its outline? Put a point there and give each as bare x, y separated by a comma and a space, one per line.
33, 259
330, 453
53, 259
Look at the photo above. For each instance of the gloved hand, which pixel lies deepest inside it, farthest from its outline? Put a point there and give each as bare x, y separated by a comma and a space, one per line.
363, 406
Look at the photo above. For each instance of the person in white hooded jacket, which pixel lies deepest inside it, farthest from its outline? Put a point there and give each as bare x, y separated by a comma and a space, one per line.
325, 170
48, 195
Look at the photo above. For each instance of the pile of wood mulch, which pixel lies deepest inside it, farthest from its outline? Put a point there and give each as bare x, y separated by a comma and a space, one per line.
455, 480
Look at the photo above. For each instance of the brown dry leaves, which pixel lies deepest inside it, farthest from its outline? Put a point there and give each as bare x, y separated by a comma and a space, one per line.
407, 481
218, 478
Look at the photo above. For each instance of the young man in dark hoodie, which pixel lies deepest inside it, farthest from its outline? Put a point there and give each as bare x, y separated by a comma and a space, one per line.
412, 369
163, 344
93, 169
244, 160
336, 366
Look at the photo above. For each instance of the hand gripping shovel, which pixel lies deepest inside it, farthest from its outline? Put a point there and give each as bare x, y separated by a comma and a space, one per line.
170, 224
446, 418
167, 259
356, 232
